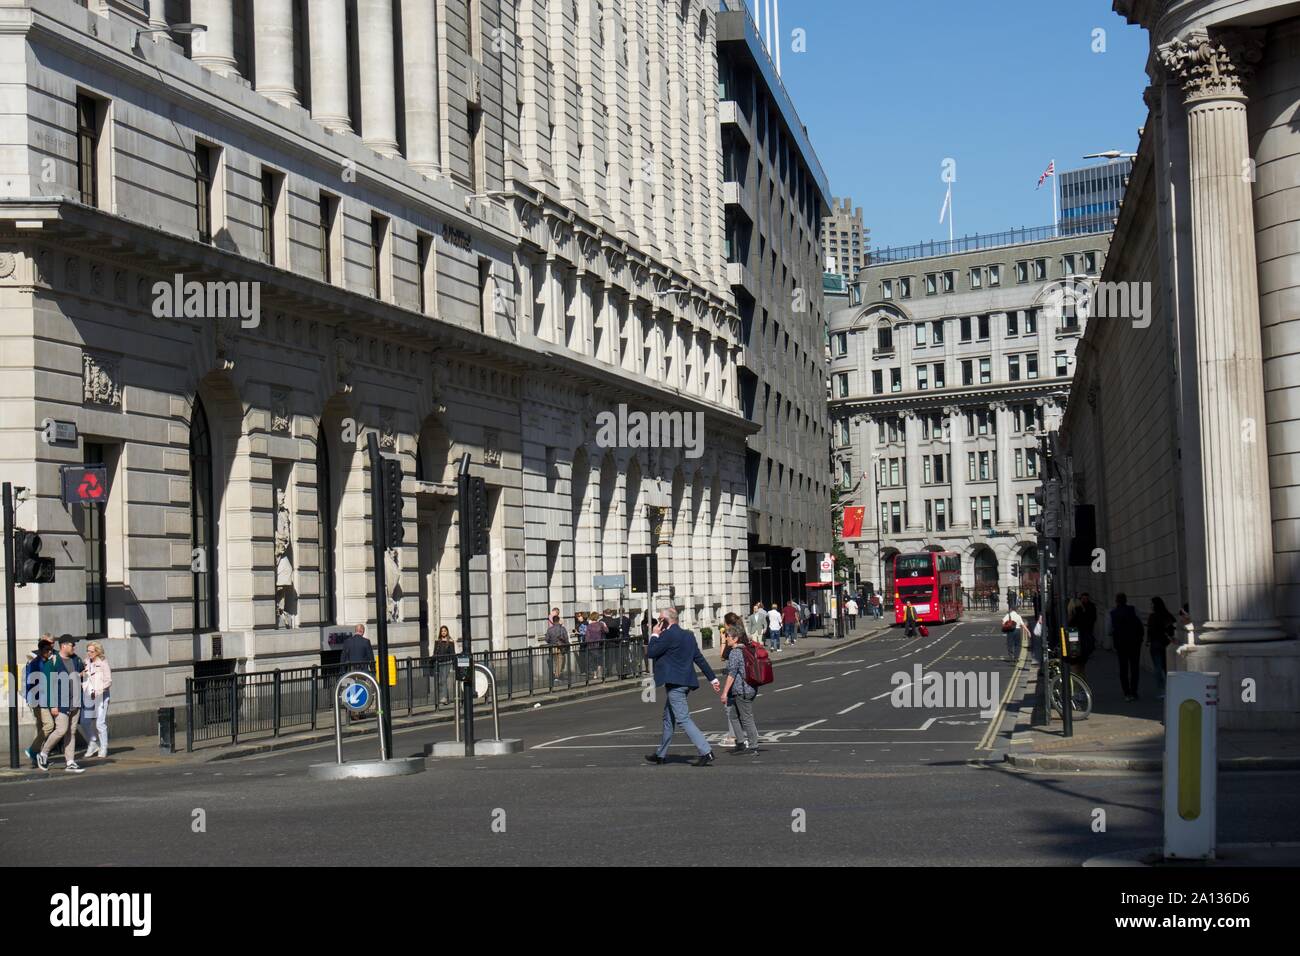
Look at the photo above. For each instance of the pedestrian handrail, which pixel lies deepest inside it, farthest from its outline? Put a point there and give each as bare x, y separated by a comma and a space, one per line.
228, 708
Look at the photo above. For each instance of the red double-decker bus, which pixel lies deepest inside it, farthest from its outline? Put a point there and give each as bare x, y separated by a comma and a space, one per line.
932, 580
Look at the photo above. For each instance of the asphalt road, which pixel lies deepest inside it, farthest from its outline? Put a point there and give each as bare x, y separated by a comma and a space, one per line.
844, 777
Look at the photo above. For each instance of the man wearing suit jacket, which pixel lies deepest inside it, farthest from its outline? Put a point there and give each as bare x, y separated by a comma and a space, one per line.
676, 655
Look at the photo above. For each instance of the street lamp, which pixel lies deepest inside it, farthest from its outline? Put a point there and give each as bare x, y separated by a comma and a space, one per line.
1111, 154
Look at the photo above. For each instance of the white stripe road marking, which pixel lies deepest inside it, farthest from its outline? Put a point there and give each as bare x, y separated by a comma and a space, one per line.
888, 692
822, 679
847, 709
791, 687
700, 711
560, 740
778, 743
847, 673
813, 724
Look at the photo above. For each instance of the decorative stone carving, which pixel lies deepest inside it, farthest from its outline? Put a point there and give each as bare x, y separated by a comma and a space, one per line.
283, 559
8, 263
96, 279
72, 273
388, 428
223, 342
100, 379
345, 352
1213, 67
43, 267
119, 285
279, 410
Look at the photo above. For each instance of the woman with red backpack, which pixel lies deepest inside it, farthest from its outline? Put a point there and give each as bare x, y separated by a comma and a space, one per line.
748, 667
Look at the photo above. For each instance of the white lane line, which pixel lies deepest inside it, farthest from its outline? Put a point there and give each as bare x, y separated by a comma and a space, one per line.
888, 692
778, 743
926, 725
780, 690
700, 711
560, 740
823, 679
847, 709
847, 673
813, 724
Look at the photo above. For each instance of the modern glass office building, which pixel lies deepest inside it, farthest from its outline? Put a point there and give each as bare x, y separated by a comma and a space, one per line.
1091, 196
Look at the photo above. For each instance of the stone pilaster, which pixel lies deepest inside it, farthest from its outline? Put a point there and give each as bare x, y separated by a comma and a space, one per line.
1232, 488
959, 510
328, 35
912, 460
1006, 501
420, 87
273, 59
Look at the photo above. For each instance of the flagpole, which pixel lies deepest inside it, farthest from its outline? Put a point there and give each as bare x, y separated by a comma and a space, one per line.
1056, 214
950, 218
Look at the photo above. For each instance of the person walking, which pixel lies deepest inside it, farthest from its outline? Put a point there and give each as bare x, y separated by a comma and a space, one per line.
557, 639
851, 608
774, 628
756, 623
444, 664
739, 694
909, 619
1126, 631
62, 673
594, 642
1160, 634
676, 655
96, 679
1015, 629
37, 691
358, 653
804, 615
789, 622
731, 621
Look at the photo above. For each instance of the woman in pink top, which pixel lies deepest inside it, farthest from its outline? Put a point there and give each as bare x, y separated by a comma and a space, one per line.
95, 682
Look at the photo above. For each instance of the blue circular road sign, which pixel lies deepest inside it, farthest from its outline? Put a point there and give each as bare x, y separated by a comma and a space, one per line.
356, 696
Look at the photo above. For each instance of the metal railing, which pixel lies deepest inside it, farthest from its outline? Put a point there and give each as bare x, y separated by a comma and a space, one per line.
975, 243
235, 707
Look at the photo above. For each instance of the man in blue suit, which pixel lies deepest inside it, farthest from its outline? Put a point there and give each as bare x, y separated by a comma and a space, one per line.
675, 655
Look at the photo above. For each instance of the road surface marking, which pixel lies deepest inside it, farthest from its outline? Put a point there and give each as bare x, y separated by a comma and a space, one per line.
995, 722
847, 709
847, 673
823, 679
813, 724
791, 687
781, 743
700, 711
888, 692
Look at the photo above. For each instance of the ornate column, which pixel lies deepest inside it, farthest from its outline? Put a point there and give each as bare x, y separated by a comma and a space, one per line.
1231, 486
420, 88
273, 43
215, 46
328, 35
157, 17
378, 75
1006, 502
912, 456
959, 510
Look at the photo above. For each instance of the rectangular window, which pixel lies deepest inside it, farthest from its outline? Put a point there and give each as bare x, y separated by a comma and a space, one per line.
984, 466
427, 264
271, 185
936, 332
941, 515
327, 211
378, 240
986, 511
204, 171
938, 376
844, 433
929, 515
1090, 263
895, 379
1020, 510
486, 297
88, 149
905, 287
970, 465
995, 276
1020, 463
887, 288
932, 283
1013, 368
1067, 265
1022, 272
897, 522
922, 378
844, 385
977, 278
877, 383
963, 326
1031, 322
983, 419
974, 512
919, 333
986, 371
1040, 270
967, 372
1031, 365
474, 131
1062, 364
950, 282
842, 343
1013, 323
939, 467
893, 472
96, 556
983, 322
1031, 463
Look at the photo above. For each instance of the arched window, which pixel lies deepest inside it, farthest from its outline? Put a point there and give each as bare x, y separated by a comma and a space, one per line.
325, 511
202, 523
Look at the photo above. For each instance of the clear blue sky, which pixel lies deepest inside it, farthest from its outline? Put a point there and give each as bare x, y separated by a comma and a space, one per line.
890, 88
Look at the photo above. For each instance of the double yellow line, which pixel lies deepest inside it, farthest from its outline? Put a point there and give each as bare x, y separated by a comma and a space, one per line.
986, 742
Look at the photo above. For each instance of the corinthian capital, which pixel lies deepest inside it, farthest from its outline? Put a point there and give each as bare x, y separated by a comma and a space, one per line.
1213, 66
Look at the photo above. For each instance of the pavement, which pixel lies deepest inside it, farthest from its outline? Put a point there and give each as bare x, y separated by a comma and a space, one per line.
856, 766
127, 753
1123, 735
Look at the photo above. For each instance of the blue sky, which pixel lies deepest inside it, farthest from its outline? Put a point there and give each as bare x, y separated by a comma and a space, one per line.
891, 88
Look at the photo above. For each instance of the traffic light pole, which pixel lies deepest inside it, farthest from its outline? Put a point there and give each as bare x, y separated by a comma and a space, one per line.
465, 519
11, 626
381, 587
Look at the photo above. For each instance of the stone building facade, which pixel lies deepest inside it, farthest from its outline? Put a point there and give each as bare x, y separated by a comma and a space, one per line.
775, 195
470, 227
943, 374
1183, 434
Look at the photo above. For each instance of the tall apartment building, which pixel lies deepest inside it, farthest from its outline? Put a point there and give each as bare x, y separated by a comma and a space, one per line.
473, 234
846, 242
775, 193
943, 373
1091, 196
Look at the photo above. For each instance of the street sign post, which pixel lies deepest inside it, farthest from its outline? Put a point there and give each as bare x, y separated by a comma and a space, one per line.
378, 536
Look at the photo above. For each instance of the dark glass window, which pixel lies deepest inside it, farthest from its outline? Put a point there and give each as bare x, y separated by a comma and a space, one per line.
268, 215
325, 511
202, 523
87, 149
203, 190
96, 557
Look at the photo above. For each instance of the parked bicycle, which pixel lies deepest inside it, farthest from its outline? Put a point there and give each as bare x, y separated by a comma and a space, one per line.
1080, 692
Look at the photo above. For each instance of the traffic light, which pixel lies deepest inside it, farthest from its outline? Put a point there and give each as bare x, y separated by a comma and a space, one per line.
29, 566
394, 532
478, 516
1052, 511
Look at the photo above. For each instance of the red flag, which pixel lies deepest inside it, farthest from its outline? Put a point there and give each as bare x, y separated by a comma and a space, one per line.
1049, 171
853, 522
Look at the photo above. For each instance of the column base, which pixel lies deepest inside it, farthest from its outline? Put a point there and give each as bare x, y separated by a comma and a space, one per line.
1272, 668
1232, 632
385, 147
333, 123
282, 96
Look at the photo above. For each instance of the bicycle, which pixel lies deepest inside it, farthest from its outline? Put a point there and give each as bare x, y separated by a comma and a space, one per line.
1080, 692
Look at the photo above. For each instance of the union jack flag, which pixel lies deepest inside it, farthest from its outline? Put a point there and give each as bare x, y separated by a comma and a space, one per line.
1049, 171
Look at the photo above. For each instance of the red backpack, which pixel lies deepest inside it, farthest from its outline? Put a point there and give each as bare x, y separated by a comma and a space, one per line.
758, 665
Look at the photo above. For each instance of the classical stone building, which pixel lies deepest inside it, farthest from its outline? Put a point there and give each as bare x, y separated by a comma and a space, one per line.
776, 195
467, 227
1183, 433
943, 374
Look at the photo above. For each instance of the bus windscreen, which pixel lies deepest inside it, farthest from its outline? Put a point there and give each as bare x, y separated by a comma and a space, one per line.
919, 565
